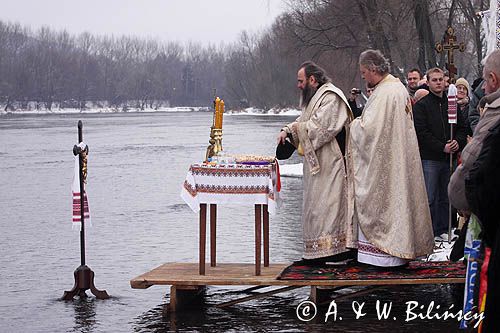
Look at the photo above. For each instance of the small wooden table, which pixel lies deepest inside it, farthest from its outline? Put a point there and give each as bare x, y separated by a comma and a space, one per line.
241, 184
261, 223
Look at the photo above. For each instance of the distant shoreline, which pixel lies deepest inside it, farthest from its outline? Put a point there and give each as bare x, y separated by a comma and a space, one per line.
247, 111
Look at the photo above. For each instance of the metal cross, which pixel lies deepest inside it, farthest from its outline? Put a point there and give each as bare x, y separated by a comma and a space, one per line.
450, 44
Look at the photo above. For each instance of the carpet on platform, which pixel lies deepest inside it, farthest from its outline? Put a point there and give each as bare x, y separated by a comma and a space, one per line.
357, 271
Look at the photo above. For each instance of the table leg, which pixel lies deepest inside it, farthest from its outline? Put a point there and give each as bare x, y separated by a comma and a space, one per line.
213, 234
203, 236
266, 236
258, 236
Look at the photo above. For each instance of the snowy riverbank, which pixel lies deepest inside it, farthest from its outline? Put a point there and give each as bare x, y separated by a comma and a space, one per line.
247, 111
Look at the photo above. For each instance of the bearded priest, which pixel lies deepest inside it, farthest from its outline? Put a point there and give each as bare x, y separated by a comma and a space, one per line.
319, 134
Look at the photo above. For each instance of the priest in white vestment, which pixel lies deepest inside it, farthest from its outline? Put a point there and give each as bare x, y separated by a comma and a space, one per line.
389, 209
320, 134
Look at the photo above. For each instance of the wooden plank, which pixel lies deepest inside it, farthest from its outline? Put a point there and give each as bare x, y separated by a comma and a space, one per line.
252, 289
318, 295
324, 296
257, 296
244, 274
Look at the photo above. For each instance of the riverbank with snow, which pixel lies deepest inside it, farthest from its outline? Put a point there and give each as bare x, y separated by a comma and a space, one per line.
247, 111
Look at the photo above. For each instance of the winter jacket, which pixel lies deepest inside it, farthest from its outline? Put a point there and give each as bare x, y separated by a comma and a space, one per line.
477, 94
464, 110
433, 130
490, 117
482, 186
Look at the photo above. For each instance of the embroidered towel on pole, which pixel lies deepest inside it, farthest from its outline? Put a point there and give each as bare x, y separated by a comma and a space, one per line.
77, 219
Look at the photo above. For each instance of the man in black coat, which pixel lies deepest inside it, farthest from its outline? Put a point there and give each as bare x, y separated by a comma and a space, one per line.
477, 94
433, 133
482, 185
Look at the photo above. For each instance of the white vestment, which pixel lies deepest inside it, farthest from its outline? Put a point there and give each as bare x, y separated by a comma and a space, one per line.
324, 214
389, 203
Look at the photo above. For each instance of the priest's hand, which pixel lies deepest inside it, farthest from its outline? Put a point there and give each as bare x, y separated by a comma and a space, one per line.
281, 137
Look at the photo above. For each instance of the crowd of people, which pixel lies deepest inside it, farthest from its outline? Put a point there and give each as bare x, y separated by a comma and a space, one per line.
377, 179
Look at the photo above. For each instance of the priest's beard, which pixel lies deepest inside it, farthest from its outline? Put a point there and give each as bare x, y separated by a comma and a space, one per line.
307, 94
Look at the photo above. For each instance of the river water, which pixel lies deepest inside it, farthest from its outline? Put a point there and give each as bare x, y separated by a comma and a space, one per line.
137, 164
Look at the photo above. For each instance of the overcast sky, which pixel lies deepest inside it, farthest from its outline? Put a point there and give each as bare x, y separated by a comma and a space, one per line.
169, 20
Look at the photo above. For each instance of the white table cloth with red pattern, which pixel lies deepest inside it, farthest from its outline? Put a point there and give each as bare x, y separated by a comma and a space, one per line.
231, 184
243, 184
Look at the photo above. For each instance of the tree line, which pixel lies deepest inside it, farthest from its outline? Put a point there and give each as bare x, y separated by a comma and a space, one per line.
43, 68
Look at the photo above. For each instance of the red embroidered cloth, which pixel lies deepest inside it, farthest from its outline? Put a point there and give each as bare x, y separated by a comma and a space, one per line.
231, 183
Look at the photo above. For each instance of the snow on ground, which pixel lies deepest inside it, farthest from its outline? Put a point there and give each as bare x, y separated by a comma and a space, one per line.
105, 110
262, 112
442, 250
291, 170
247, 111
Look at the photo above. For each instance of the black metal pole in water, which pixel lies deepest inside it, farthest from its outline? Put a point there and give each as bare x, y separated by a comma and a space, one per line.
82, 195
84, 276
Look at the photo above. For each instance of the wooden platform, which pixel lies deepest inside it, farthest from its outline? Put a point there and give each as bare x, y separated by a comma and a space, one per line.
187, 274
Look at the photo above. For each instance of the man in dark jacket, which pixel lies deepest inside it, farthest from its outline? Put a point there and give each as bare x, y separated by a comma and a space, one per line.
481, 189
475, 184
433, 133
477, 94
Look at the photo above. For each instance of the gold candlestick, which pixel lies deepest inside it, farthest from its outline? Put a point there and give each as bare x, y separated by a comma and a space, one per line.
211, 148
216, 130
218, 140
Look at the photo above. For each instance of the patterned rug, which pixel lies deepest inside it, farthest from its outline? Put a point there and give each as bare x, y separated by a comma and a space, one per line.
356, 271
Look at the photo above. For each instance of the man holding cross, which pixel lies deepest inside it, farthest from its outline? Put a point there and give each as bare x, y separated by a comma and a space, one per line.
435, 144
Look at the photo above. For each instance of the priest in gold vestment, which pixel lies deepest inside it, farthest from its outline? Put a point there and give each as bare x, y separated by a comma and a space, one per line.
320, 134
389, 207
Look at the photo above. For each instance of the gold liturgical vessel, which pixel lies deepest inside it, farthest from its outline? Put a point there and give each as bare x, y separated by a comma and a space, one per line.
216, 130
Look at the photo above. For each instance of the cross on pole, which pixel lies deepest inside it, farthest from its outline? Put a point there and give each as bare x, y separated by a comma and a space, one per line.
450, 45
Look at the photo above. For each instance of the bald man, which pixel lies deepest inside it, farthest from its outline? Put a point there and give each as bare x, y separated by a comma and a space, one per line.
419, 94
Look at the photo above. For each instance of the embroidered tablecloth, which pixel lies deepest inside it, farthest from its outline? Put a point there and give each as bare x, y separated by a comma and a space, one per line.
231, 183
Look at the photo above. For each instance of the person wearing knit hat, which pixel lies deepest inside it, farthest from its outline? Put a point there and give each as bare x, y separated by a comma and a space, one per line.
463, 82
463, 101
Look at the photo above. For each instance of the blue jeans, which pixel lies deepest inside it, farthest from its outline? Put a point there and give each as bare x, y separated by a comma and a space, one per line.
437, 177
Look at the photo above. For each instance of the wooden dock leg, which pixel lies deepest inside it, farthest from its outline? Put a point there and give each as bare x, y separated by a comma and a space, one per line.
213, 235
266, 236
318, 295
185, 297
258, 236
203, 236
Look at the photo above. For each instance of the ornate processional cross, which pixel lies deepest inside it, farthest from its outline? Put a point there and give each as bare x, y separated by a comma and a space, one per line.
450, 44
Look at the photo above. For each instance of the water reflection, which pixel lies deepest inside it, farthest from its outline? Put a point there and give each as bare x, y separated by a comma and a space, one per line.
85, 313
278, 312
140, 222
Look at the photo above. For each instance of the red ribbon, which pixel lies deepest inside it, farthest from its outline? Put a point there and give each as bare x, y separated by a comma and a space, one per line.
278, 178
